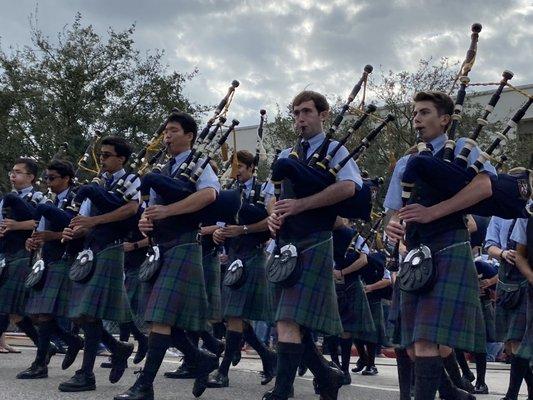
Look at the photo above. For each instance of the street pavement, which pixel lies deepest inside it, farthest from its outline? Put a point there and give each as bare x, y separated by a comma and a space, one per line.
244, 381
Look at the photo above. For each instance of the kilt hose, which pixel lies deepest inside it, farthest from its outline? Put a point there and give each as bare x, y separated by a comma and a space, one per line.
53, 296
354, 310
177, 296
211, 266
312, 301
13, 293
103, 296
526, 346
450, 313
252, 300
511, 324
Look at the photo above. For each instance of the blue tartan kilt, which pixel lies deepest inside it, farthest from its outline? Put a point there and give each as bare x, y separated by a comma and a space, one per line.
252, 300
136, 291
526, 346
53, 296
211, 266
354, 310
511, 324
178, 296
379, 336
489, 318
104, 295
450, 313
395, 331
13, 293
312, 301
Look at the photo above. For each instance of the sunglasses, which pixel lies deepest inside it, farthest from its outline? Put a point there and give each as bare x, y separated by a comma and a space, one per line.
51, 178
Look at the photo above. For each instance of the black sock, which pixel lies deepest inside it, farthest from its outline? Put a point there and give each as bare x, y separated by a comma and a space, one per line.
371, 354
4, 323
528, 377
332, 344
233, 345
316, 363
428, 372
346, 353
447, 390
181, 341
211, 343
124, 330
362, 353
219, 330
136, 332
109, 341
405, 370
93, 336
26, 326
251, 338
481, 367
45, 335
519, 367
452, 368
157, 347
461, 359
289, 356
194, 337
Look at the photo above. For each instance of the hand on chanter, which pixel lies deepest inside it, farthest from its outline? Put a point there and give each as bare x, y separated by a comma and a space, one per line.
286, 207
417, 213
394, 230
274, 223
145, 225
156, 212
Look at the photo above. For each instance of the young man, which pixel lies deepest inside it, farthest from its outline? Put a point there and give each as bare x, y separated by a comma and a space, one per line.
48, 302
178, 300
448, 314
251, 301
311, 303
13, 235
102, 296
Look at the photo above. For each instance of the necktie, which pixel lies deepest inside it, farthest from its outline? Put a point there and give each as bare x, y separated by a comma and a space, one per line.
109, 182
430, 147
304, 149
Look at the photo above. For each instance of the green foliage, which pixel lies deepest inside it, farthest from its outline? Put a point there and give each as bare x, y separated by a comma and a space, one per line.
62, 90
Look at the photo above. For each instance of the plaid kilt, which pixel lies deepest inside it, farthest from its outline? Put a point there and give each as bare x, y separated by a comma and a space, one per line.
450, 313
252, 300
104, 295
511, 324
211, 266
312, 301
13, 293
526, 347
378, 336
354, 309
53, 296
136, 291
395, 331
178, 296
487, 306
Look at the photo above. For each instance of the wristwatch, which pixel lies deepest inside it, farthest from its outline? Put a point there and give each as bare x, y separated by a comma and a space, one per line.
245, 229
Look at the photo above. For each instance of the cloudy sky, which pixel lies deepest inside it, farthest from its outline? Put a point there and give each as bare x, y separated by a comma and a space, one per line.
277, 48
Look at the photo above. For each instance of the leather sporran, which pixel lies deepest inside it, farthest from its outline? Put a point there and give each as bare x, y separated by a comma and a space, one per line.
235, 276
150, 267
36, 277
510, 295
418, 274
83, 267
283, 269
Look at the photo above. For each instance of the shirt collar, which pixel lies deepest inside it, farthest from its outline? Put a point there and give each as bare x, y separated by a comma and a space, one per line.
115, 175
438, 142
63, 194
181, 157
25, 191
248, 183
316, 140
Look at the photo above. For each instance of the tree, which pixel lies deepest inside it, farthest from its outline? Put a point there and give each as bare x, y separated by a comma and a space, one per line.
61, 91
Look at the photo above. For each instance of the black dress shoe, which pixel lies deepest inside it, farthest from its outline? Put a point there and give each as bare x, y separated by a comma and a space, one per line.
370, 370
302, 369
80, 382
142, 349
205, 363
107, 364
466, 385
269, 368
34, 372
119, 360
72, 353
52, 351
347, 380
139, 391
470, 376
184, 371
217, 380
359, 366
270, 395
330, 389
481, 388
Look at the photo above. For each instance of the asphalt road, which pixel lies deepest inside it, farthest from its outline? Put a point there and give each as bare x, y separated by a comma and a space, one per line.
244, 382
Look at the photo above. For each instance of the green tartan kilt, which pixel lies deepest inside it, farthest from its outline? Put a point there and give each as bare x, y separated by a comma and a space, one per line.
252, 300
13, 293
511, 324
354, 309
378, 336
312, 301
136, 291
489, 317
450, 313
395, 326
178, 296
526, 347
211, 266
104, 295
53, 296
